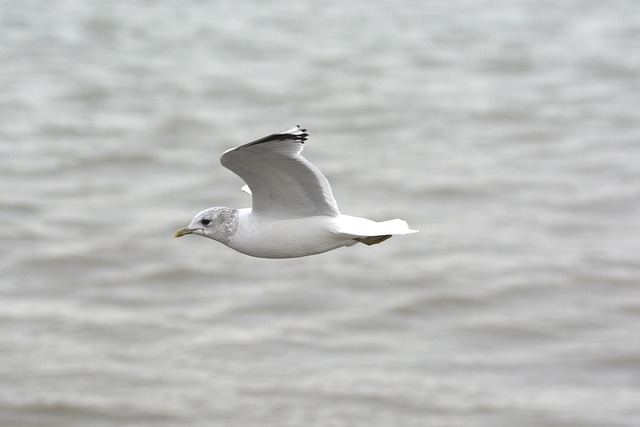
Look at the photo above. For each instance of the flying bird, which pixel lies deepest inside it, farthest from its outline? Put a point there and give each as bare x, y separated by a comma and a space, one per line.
293, 211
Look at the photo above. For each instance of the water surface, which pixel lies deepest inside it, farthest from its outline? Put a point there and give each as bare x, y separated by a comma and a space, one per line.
506, 131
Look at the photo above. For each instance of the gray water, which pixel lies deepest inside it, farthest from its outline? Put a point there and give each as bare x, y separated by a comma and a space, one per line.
508, 132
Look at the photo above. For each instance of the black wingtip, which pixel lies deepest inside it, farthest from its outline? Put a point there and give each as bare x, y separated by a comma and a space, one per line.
296, 133
293, 134
302, 137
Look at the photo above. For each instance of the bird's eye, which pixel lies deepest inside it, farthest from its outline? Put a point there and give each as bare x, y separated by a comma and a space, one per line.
206, 221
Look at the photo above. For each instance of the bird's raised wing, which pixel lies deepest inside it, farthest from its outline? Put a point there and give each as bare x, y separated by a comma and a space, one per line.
283, 183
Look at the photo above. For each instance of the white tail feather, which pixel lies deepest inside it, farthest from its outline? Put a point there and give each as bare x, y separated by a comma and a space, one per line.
362, 227
395, 226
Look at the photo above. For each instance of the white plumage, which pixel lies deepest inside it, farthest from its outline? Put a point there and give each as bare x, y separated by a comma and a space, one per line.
293, 214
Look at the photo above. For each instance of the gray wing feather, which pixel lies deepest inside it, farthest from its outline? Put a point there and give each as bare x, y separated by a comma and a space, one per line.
282, 182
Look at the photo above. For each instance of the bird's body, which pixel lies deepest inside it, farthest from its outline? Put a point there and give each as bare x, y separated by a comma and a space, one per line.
295, 237
294, 213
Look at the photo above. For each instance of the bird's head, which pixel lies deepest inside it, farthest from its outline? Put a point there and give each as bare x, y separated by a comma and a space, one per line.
214, 223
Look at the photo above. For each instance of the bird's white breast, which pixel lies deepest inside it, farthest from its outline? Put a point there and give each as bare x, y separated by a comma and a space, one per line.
285, 238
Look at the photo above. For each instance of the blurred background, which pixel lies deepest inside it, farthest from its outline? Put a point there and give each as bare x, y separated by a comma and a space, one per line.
507, 132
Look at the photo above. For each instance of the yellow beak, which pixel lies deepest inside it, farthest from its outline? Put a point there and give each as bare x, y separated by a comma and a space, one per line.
183, 231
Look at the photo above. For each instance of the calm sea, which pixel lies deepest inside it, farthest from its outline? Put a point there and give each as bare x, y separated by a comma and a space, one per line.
508, 132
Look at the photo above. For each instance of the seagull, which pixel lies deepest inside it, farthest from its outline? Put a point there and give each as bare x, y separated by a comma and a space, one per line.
293, 211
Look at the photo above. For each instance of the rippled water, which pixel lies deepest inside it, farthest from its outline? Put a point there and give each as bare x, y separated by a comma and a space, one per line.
506, 131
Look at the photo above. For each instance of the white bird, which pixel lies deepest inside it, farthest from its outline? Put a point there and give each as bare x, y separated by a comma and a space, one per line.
294, 213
